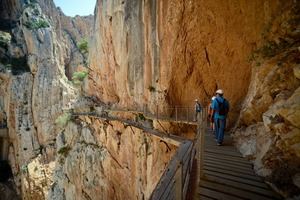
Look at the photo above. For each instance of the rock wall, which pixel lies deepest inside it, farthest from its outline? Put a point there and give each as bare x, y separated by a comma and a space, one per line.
145, 53
34, 88
107, 160
268, 128
150, 52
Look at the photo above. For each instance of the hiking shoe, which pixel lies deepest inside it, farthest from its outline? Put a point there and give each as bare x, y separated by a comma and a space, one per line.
219, 144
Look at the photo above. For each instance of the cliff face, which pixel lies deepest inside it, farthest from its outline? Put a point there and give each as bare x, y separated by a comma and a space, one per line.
181, 49
147, 53
268, 128
144, 53
34, 90
107, 160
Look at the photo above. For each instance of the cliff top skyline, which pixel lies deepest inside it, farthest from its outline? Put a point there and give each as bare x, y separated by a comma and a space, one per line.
76, 7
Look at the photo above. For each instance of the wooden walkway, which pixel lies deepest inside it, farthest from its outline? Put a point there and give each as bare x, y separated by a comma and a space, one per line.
229, 176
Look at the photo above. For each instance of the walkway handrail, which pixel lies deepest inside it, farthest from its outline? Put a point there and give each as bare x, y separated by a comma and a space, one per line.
174, 182
176, 178
172, 139
174, 113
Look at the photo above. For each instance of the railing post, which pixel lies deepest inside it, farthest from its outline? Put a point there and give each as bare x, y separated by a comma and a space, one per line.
176, 113
178, 182
187, 114
201, 125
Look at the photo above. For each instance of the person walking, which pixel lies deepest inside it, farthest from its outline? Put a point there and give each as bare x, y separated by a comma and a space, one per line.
220, 107
210, 114
197, 109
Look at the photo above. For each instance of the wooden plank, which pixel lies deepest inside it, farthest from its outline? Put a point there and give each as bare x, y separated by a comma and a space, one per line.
216, 194
201, 131
223, 148
223, 153
239, 161
261, 191
186, 185
202, 197
244, 176
171, 195
186, 166
169, 190
178, 184
165, 180
237, 179
169, 174
233, 191
231, 167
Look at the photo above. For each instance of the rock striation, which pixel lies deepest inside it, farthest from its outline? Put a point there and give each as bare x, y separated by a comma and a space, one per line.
150, 52
143, 54
34, 62
107, 160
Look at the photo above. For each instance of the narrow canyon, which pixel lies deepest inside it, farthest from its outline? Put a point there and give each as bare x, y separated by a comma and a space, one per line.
135, 56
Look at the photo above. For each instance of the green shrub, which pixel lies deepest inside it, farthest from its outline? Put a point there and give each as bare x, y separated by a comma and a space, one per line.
8, 66
40, 23
64, 151
63, 119
4, 39
78, 77
83, 46
141, 117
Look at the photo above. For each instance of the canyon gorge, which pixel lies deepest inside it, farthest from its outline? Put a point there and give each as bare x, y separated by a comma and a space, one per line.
142, 55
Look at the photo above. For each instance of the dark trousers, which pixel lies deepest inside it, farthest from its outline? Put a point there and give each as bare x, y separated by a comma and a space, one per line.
220, 125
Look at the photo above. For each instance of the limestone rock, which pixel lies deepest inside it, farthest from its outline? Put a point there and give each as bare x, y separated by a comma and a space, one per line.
106, 154
297, 71
174, 48
291, 109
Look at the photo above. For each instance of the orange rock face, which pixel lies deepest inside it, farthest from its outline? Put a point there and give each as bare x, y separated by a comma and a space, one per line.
169, 53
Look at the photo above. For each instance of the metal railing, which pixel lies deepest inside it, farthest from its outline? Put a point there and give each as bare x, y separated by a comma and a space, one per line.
170, 113
175, 180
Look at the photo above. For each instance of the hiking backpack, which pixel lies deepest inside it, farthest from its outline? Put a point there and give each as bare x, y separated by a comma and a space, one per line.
223, 109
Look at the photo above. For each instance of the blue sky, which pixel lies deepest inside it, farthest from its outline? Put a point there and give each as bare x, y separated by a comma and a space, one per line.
76, 7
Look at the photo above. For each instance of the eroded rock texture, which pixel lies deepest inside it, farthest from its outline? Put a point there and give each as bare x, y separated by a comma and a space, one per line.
268, 128
170, 52
182, 49
145, 53
107, 160
34, 90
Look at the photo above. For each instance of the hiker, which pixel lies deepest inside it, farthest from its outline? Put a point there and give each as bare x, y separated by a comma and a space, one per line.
197, 109
220, 107
210, 114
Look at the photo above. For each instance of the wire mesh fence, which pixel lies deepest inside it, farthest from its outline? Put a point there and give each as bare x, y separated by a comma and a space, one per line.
175, 113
